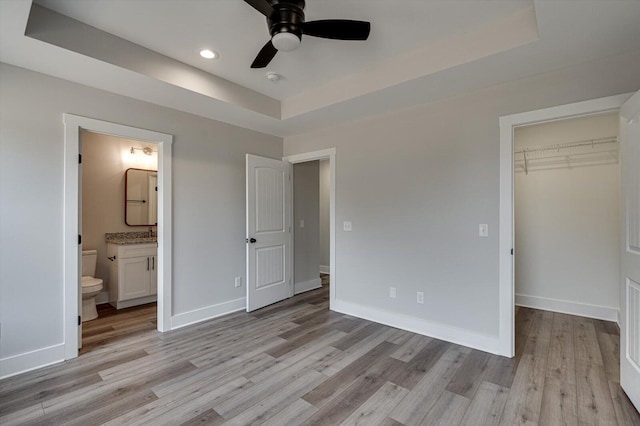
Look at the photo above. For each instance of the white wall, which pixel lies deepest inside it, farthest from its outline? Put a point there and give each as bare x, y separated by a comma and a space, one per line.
325, 226
306, 207
208, 203
104, 162
416, 184
566, 225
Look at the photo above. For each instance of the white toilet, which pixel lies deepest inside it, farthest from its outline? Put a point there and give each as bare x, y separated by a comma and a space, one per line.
91, 286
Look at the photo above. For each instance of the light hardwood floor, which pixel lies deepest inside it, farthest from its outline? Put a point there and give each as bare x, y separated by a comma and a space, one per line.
296, 362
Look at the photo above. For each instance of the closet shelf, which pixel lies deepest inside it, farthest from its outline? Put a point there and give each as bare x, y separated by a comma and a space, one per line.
567, 155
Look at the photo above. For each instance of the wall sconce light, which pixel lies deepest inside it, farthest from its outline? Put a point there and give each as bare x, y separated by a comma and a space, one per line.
146, 150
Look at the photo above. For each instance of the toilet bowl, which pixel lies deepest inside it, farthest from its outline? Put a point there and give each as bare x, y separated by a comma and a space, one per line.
91, 286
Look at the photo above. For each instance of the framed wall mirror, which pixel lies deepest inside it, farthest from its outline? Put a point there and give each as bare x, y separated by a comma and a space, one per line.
141, 197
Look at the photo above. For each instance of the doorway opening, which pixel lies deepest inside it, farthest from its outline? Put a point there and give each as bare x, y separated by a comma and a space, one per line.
566, 196
314, 256
119, 245
159, 263
508, 125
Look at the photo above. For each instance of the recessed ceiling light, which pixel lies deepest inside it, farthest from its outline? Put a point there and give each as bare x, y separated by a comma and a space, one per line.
209, 54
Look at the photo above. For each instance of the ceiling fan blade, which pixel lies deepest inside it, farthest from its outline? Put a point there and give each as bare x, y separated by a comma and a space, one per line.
261, 6
338, 29
265, 56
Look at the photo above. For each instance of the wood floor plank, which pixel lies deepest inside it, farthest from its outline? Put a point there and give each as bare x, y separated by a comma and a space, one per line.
448, 410
236, 405
414, 407
595, 405
279, 400
184, 405
327, 390
295, 362
610, 351
337, 409
342, 359
293, 415
411, 347
356, 336
559, 403
470, 375
420, 365
539, 338
31, 414
376, 409
586, 341
486, 406
208, 417
626, 414
561, 360
525, 396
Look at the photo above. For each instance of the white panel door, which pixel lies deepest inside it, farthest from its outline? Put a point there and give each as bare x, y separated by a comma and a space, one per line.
268, 231
630, 259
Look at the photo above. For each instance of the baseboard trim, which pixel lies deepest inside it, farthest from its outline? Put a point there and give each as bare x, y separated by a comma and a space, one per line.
33, 360
207, 313
307, 285
324, 269
604, 313
482, 342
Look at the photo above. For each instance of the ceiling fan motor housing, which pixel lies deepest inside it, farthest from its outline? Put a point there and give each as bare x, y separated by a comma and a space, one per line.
286, 20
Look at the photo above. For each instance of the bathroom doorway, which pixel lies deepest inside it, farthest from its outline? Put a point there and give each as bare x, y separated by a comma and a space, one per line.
159, 263
119, 243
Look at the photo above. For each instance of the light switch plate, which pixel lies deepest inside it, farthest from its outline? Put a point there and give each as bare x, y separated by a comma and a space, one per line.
392, 292
301, 223
347, 226
483, 230
238, 282
420, 297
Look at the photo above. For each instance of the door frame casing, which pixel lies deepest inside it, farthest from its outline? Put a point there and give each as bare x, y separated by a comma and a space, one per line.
507, 231
323, 154
73, 125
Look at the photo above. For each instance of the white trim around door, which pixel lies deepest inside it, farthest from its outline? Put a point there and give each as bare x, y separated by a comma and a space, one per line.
73, 124
506, 244
324, 154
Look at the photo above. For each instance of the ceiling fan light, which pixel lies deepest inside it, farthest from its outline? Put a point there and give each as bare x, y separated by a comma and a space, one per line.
285, 42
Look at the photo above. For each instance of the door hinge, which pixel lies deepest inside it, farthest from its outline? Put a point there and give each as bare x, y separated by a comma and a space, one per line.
79, 158
79, 320
79, 239
511, 252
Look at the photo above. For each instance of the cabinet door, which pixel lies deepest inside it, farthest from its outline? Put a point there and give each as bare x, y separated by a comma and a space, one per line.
135, 273
153, 284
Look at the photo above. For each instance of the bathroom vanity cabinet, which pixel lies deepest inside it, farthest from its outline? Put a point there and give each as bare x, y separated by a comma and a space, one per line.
133, 275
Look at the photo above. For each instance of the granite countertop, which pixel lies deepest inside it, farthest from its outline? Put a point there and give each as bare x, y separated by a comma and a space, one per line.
130, 238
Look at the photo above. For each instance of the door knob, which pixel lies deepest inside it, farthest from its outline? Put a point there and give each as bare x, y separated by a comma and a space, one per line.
252, 240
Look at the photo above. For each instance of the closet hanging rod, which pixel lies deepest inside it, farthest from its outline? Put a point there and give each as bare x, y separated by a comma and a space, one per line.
559, 146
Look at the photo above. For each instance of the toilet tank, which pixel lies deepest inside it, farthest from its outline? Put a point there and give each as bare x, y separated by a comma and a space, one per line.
89, 258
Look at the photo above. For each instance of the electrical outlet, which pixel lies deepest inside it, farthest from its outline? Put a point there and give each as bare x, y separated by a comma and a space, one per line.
301, 223
392, 292
420, 297
238, 282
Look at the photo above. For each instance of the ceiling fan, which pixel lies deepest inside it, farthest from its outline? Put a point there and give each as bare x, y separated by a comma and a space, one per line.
285, 19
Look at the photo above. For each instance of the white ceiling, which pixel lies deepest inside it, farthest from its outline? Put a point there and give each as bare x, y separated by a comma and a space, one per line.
180, 29
419, 51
